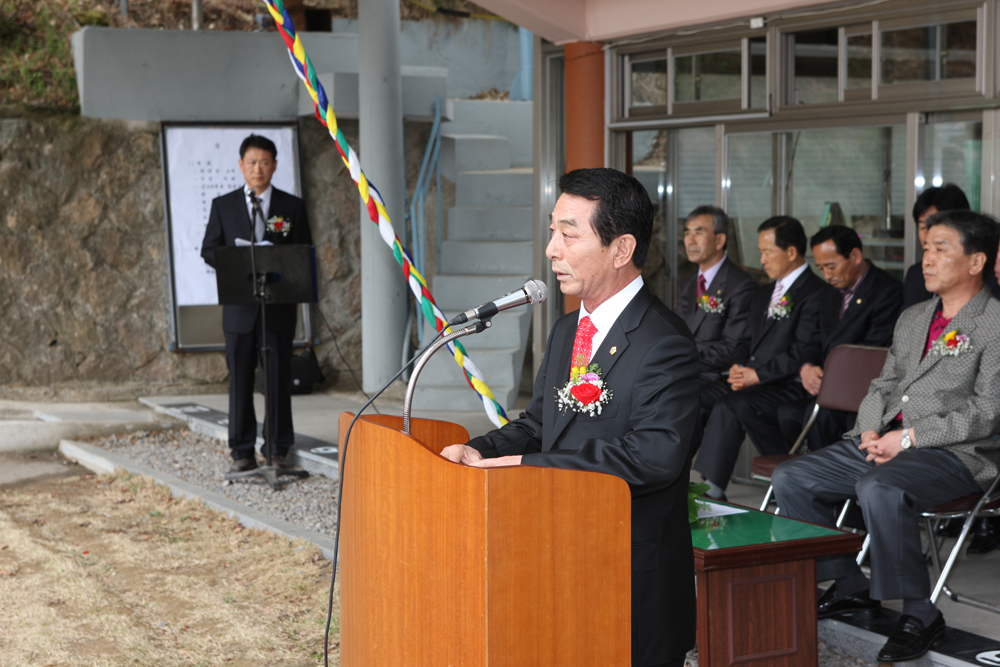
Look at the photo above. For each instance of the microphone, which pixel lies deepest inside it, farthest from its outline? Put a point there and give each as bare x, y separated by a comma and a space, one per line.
534, 291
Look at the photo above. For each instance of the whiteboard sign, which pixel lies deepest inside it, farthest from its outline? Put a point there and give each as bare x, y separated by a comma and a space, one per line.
201, 163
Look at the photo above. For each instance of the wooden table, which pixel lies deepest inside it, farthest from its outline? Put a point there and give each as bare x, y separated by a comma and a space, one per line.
756, 579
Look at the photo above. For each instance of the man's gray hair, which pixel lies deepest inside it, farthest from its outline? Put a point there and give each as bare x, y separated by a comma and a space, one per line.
720, 221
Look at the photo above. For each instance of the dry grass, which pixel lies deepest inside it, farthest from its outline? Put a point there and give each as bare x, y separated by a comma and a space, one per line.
111, 570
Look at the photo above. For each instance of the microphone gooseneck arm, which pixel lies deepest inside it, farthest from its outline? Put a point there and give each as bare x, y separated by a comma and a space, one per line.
474, 328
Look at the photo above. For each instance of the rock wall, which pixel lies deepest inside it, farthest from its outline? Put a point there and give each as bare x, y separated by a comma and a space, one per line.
84, 305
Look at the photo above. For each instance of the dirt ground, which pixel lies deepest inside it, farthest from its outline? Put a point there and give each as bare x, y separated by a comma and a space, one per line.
111, 570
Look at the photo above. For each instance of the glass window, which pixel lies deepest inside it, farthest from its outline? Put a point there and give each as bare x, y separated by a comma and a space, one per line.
649, 83
694, 182
852, 176
815, 66
953, 154
859, 61
649, 151
750, 193
758, 72
708, 76
929, 53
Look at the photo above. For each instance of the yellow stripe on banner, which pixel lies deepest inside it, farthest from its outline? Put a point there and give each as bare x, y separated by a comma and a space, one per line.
482, 388
381, 209
363, 187
331, 123
300, 53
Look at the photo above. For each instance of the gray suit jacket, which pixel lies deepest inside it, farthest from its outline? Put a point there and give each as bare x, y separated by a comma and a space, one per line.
951, 402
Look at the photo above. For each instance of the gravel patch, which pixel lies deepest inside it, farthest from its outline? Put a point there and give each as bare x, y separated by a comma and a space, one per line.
309, 503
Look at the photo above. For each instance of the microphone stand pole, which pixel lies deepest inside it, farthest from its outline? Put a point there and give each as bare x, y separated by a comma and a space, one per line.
477, 327
268, 472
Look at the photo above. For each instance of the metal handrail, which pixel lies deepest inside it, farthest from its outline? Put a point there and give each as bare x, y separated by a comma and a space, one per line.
431, 163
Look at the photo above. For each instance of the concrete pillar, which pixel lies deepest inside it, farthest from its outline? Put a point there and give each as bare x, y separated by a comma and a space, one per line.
584, 104
380, 146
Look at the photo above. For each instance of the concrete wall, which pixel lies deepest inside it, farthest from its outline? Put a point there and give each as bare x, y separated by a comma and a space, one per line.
153, 75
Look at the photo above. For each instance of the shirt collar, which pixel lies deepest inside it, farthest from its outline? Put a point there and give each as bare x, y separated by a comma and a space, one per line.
264, 197
853, 288
607, 313
788, 280
711, 272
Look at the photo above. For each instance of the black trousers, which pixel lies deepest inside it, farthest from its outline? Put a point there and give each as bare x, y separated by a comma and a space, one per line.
830, 426
711, 391
752, 411
242, 353
813, 487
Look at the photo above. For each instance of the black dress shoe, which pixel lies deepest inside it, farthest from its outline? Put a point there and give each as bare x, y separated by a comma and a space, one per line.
986, 537
831, 604
911, 639
242, 468
279, 461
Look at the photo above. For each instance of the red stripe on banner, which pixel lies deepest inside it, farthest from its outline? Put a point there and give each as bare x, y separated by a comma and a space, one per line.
372, 209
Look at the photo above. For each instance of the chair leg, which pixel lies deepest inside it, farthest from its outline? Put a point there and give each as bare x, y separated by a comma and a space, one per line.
864, 549
952, 557
767, 498
843, 512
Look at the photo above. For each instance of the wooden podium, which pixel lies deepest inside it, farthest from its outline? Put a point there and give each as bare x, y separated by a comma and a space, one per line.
443, 564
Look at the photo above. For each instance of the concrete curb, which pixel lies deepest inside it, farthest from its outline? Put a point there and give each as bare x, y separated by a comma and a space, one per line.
100, 461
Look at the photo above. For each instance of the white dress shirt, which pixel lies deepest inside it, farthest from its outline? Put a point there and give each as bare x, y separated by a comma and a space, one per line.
711, 273
604, 315
787, 281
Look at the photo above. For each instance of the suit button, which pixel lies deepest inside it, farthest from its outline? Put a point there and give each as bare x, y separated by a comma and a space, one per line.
753, 358
906, 399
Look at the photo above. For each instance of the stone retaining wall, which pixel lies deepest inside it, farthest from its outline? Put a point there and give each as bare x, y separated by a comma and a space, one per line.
84, 305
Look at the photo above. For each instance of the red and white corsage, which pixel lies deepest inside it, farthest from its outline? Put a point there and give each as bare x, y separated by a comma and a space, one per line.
951, 344
585, 391
711, 304
278, 225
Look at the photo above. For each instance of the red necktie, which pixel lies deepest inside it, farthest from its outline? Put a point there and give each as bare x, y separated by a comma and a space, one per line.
582, 345
701, 286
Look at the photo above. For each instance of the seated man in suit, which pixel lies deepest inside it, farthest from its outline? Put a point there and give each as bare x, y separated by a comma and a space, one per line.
639, 364
784, 332
860, 310
925, 434
715, 302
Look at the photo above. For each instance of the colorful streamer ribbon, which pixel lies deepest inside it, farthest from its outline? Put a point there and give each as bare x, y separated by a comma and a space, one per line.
376, 208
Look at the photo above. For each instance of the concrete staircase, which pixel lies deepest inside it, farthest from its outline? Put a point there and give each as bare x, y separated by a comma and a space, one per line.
487, 153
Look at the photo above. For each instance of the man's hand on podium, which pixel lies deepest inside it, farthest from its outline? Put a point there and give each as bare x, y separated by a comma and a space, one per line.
497, 462
461, 454
472, 457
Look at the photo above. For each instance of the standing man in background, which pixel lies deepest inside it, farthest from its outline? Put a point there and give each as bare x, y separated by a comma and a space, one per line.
281, 220
715, 302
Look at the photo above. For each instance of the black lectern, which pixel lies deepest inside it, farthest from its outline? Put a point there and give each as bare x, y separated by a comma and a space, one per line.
266, 275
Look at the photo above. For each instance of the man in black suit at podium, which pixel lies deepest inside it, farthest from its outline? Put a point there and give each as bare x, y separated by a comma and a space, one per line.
715, 301
281, 220
646, 363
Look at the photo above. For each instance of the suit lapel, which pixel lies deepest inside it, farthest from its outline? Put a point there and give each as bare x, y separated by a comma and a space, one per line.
964, 320
854, 307
562, 350
616, 338
793, 295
